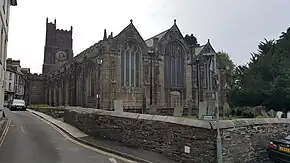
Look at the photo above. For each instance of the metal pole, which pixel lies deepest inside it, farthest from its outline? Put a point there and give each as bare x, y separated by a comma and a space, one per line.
218, 139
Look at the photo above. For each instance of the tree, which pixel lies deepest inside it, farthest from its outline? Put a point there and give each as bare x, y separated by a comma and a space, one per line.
265, 80
224, 62
191, 40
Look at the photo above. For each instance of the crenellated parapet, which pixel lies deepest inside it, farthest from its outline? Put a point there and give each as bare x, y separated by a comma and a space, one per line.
35, 88
36, 76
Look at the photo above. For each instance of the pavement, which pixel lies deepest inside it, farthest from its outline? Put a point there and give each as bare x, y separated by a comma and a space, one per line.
35, 137
135, 154
32, 140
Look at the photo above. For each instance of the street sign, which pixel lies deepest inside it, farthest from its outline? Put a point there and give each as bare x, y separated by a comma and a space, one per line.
209, 118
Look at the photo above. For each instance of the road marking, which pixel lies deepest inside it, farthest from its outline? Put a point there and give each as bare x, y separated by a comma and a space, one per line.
14, 112
4, 134
22, 129
112, 160
83, 145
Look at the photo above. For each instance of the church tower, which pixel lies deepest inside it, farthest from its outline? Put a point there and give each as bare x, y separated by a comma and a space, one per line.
58, 47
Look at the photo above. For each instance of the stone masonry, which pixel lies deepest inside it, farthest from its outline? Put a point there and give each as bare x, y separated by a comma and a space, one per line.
243, 141
81, 81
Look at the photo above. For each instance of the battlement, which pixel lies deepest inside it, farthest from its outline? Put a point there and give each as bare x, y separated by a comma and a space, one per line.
36, 76
63, 31
58, 30
51, 23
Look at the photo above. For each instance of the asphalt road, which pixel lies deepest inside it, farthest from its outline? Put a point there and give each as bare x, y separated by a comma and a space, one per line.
32, 140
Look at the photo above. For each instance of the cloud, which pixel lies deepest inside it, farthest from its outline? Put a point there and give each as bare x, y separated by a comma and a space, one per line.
232, 25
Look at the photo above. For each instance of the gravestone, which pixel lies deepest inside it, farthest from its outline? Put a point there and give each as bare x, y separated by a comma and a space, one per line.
279, 114
272, 113
226, 109
175, 100
201, 109
288, 115
118, 105
189, 110
178, 110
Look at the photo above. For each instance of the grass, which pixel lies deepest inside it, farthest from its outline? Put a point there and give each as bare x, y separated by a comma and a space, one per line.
190, 117
231, 117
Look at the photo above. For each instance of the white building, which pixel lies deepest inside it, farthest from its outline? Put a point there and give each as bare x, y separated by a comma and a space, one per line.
9, 88
14, 81
4, 24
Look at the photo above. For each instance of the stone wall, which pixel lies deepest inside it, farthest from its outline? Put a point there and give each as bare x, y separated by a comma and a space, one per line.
53, 112
162, 134
246, 140
35, 88
243, 140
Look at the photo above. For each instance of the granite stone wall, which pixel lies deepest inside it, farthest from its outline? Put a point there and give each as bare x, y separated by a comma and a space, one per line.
162, 134
243, 141
53, 112
247, 140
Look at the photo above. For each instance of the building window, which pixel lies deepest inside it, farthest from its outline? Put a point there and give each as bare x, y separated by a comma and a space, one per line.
92, 84
130, 65
5, 97
9, 87
174, 65
146, 73
10, 76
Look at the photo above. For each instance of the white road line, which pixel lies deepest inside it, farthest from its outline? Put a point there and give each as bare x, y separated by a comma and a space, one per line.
14, 112
4, 134
112, 160
22, 129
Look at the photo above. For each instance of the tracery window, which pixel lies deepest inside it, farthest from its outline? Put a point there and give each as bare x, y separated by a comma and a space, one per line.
92, 81
174, 65
130, 65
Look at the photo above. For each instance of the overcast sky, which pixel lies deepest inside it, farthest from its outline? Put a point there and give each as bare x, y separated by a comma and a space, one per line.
234, 26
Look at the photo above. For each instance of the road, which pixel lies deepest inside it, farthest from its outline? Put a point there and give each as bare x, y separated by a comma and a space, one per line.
32, 140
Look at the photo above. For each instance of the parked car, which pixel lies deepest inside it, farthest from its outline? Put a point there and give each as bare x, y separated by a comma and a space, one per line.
17, 104
279, 150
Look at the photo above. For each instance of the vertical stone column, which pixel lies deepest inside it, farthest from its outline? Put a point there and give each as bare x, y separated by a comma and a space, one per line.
49, 94
60, 95
66, 92
161, 80
54, 95
188, 82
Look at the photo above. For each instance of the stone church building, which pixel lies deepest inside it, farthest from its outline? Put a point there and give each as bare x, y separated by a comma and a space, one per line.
153, 75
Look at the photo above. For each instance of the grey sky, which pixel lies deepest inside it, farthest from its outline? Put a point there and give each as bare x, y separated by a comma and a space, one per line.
235, 26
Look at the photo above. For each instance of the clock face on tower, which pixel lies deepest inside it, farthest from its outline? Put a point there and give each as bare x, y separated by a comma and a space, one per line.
61, 56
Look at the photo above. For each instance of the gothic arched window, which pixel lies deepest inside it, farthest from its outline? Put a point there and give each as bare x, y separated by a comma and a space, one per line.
92, 81
130, 65
174, 65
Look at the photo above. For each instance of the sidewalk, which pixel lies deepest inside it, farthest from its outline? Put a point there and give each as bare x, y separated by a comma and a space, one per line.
138, 155
4, 123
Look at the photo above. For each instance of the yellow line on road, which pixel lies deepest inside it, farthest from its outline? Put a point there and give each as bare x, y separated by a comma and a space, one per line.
84, 145
5, 131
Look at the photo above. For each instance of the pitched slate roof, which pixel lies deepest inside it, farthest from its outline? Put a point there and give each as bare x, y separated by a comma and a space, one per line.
149, 41
199, 49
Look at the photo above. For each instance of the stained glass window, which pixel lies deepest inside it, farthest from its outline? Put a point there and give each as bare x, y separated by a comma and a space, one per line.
130, 65
92, 81
174, 65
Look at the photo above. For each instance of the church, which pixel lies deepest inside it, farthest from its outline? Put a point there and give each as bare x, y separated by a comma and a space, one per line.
155, 75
